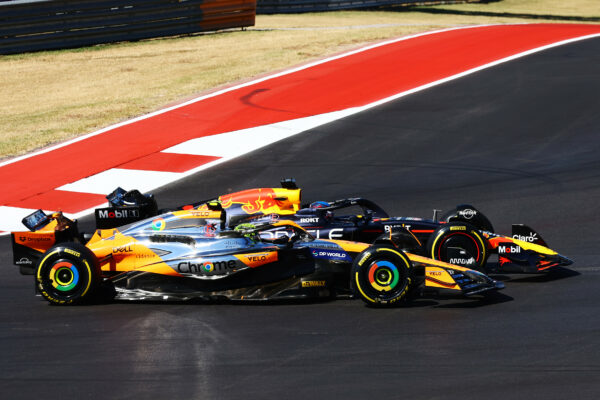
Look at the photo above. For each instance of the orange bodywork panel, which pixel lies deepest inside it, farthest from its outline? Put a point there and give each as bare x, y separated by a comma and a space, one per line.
40, 240
439, 278
254, 260
435, 272
124, 253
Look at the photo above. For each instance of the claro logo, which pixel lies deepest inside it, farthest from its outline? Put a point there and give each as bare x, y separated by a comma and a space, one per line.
187, 267
531, 238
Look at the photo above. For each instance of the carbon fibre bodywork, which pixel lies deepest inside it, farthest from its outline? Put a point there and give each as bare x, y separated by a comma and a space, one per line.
462, 237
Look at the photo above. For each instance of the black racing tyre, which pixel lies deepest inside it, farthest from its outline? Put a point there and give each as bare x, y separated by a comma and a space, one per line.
382, 276
68, 273
462, 236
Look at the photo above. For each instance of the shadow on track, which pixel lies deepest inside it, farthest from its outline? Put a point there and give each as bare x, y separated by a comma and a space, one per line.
557, 273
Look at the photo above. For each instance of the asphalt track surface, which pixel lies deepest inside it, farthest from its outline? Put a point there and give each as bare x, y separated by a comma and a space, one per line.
520, 141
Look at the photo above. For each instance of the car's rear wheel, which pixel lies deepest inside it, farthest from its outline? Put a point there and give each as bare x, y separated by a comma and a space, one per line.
458, 243
68, 273
382, 276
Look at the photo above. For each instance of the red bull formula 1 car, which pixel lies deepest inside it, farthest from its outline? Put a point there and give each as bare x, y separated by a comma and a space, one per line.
462, 237
191, 253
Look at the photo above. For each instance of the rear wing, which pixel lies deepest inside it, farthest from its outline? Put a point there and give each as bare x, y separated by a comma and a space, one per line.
125, 207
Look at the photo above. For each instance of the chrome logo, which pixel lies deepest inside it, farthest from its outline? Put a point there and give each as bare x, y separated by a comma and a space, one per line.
208, 267
158, 224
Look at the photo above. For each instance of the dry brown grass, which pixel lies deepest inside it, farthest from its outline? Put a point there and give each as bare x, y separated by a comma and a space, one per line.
52, 96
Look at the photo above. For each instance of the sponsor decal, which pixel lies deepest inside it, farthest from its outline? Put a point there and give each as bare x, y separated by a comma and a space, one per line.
142, 255
37, 239
122, 249
331, 255
209, 230
462, 261
230, 244
257, 257
362, 259
531, 238
253, 260
509, 249
309, 220
325, 245
73, 252
24, 261
158, 224
467, 213
458, 228
389, 228
336, 233
123, 213
201, 213
307, 284
203, 267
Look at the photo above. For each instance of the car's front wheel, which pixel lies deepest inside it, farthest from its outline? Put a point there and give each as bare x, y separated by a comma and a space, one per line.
382, 276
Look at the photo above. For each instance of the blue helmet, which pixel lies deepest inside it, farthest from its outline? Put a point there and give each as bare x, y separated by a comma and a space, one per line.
319, 204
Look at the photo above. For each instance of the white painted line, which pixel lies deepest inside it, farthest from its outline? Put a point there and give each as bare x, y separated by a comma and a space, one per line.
237, 143
105, 182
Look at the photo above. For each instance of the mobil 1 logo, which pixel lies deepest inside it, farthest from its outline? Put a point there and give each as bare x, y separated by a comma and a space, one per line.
116, 216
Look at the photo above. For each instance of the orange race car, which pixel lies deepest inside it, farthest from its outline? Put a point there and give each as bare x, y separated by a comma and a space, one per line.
191, 253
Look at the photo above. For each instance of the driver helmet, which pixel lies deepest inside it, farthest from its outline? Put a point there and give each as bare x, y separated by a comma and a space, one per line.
319, 204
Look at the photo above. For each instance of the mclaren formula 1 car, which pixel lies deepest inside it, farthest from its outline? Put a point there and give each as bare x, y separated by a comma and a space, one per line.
462, 237
190, 253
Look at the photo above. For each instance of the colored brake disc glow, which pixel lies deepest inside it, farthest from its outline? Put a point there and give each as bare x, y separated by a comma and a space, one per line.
383, 276
64, 276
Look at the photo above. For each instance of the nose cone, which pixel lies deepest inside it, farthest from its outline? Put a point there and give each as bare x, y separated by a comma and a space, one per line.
499, 285
564, 261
